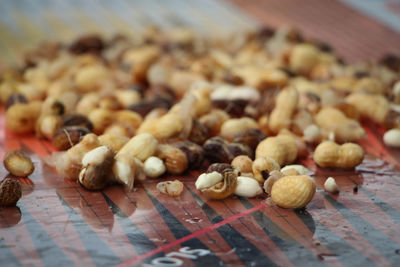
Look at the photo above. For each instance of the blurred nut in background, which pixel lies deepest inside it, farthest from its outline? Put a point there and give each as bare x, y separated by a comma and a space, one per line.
18, 163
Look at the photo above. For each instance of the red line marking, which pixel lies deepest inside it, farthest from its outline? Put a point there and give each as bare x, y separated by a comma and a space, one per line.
191, 236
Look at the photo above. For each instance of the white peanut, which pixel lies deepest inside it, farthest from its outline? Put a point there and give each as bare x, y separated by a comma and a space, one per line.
331, 186
207, 180
247, 187
392, 138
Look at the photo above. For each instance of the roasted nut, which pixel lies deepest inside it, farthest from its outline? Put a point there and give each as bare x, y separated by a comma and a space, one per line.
219, 167
21, 118
293, 192
66, 137
141, 146
10, 192
206, 180
101, 119
303, 58
242, 163
281, 116
96, 168
250, 137
47, 126
88, 103
16, 98
281, 148
125, 170
154, 167
247, 187
392, 138
199, 133
90, 78
172, 188
300, 170
127, 97
167, 126
18, 163
115, 142
372, 106
194, 153
234, 126
174, 159
331, 186
330, 155
69, 164
76, 120
119, 129
263, 166
129, 118
224, 188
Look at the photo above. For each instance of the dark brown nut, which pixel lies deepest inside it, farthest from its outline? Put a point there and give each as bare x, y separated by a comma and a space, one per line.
175, 160
199, 133
66, 137
194, 153
392, 119
77, 120
55, 107
250, 137
10, 192
224, 188
110, 102
219, 167
18, 163
144, 107
140, 88
97, 166
234, 107
391, 61
16, 98
87, 44
216, 150
236, 149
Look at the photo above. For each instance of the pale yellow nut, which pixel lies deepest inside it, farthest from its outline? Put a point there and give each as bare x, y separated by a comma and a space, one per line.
89, 78
30, 92
303, 58
234, 126
21, 118
293, 192
125, 169
281, 148
331, 155
331, 186
331, 120
168, 125
88, 103
300, 169
247, 187
18, 163
392, 138
119, 129
154, 167
281, 116
181, 80
115, 142
128, 117
263, 166
127, 97
369, 85
312, 134
141, 146
243, 163
372, 106
101, 119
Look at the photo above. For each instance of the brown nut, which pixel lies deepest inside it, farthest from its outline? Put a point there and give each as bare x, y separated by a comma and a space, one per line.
216, 150
194, 153
199, 133
67, 137
250, 137
219, 167
77, 120
10, 192
224, 188
18, 163
243, 163
96, 167
175, 159
172, 188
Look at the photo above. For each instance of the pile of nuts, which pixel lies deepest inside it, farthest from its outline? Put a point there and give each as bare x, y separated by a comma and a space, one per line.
166, 102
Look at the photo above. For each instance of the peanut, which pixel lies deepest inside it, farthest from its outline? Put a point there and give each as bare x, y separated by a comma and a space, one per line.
331, 155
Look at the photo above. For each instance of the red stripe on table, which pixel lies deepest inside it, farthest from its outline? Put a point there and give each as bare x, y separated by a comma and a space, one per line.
193, 235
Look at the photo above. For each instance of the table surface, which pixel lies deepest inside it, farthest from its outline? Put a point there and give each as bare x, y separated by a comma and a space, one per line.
57, 222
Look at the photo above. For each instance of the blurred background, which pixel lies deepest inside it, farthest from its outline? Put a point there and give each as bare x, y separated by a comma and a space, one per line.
357, 29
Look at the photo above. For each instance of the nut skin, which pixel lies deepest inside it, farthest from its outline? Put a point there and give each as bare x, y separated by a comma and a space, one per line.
66, 137
293, 192
172, 188
194, 153
217, 149
224, 188
10, 192
175, 160
219, 167
144, 107
199, 133
250, 137
96, 175
331, 155
18, 163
